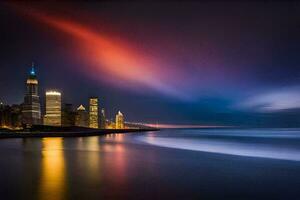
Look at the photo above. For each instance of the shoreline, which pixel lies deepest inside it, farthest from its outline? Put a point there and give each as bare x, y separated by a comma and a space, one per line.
86, 133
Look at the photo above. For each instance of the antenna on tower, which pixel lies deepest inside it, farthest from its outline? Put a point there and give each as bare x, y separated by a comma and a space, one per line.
32, 72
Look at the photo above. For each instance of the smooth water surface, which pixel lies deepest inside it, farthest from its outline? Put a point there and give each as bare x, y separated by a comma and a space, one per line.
169, 164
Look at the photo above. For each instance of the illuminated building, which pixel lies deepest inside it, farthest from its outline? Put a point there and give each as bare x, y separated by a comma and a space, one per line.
81, 118
103, 119
119, 121
53, 109
93, 114
68, 115
110, 124
31, 112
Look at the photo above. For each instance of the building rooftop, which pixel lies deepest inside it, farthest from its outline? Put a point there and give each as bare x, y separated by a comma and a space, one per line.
81, 108
53, 93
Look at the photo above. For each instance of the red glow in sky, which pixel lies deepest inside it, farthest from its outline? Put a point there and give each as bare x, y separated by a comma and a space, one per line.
113, 60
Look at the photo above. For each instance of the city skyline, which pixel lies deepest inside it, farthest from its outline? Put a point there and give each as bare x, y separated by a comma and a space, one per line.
56, 113
160, 72
149, 100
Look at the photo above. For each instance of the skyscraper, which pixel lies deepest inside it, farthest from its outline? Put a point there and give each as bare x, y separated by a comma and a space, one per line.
81, 118
31, 112
103, 119
93, 114
53, 109
119, 121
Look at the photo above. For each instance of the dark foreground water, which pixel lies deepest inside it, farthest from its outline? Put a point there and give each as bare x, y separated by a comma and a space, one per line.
170, 164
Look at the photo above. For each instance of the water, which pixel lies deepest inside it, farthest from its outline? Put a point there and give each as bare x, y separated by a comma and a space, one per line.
169, 164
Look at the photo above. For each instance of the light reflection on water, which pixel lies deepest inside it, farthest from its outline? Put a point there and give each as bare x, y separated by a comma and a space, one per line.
91, 161
134, 166
52, 183
118, 163
94, 155
249, 133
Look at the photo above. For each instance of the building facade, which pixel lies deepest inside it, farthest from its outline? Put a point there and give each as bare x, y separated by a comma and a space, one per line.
10, 116
82, 118
120, 121
31, 111
53, 109
68, 115
93, 113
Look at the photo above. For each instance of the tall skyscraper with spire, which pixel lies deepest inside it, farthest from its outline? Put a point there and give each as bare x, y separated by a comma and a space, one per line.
31, 112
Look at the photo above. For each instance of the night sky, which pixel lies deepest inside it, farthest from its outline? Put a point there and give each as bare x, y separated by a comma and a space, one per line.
214, 63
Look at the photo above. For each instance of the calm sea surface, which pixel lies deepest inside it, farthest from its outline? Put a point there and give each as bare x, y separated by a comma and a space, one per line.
169, 164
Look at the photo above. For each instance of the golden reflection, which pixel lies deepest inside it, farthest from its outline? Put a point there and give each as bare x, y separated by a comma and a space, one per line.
93, 157
91, 146
92, 143
52, 183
